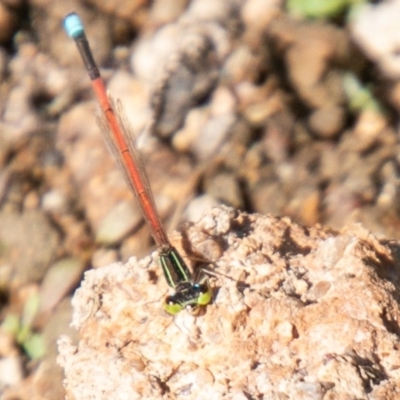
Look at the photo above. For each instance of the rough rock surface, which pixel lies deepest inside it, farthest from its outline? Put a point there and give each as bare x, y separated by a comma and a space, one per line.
298, 313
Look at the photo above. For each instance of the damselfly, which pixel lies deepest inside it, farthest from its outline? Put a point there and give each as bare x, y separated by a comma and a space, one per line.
189, 293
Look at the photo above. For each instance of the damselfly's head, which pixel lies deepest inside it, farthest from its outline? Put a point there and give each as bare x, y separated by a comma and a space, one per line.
189, 296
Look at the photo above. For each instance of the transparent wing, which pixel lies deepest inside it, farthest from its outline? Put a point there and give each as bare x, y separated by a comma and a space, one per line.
120, 141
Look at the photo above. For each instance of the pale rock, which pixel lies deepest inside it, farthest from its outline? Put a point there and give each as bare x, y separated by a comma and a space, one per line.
299, 313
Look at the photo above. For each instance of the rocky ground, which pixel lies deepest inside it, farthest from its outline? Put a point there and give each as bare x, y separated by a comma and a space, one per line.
257, 104
298, 313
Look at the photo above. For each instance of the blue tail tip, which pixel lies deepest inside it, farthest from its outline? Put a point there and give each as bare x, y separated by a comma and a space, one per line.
73, 25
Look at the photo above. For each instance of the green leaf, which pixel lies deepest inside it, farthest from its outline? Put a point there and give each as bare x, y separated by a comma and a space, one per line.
360, 97
31, 308
35, 346
11, 324
317, 8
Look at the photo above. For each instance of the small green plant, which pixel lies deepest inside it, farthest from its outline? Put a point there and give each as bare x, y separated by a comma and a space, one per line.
360, 97
21, 328
321, 8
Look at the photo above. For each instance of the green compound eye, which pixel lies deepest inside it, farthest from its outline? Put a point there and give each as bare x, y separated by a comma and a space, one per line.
171, 307
205, 295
